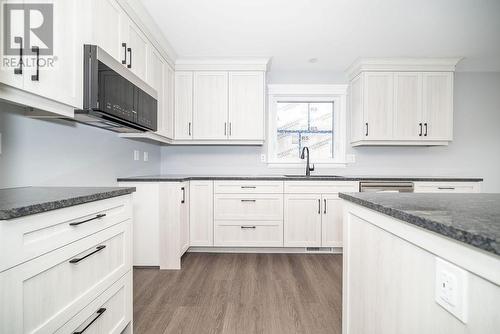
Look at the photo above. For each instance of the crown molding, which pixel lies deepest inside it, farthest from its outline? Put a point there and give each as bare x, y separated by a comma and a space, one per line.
222, 64
290, 90
402, 64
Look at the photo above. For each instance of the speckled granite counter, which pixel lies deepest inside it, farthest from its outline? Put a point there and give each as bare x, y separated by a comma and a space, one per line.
181, 178
19, 202
470, 218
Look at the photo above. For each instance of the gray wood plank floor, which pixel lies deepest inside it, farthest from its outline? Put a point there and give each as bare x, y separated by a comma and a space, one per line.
241, 293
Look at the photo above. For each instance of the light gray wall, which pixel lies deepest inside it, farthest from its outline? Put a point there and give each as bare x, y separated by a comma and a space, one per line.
41, 152
475, 150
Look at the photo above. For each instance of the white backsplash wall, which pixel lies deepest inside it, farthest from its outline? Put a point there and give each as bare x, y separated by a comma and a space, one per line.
475, 150
42, 152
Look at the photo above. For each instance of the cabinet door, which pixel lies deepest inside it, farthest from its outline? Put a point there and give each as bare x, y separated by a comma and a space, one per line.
155, 80
302, 220
168, 104
107, 20
183, 105
246, 105
438, 105
331, 223
201, 222
210, 105
59, 76
357, 120
12, 75
184, 217
408, 123
137, 48
378, 105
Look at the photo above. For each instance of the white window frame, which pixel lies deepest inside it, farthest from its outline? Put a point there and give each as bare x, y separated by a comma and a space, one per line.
325, 93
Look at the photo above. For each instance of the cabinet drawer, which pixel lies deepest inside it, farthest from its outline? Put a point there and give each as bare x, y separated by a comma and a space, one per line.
248, 207
250, 234
447, 187
107, 314
25, 238
320, 187
41, 295
248, 187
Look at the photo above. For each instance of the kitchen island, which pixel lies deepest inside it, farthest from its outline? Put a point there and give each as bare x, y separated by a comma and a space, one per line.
421, 263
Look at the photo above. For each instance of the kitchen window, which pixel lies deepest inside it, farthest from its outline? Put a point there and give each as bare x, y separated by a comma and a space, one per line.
306, 116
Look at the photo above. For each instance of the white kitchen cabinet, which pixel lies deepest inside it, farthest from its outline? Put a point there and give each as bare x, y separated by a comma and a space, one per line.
183, 105
447, 187
302, 220
210, 106
167, 123
378, 105
12, 76
184, 217
438, 105
408, 120
108, 20
246, 105
249, 234
201, 221
155, 72
331, 221
402, 102
138, 48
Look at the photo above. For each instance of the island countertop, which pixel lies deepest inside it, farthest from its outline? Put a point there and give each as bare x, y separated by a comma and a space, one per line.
473, 219
24, 201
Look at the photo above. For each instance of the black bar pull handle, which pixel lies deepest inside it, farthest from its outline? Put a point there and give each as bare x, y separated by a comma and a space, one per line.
183, 195
425, 126
87, 220
19, 40
248, 200
248, 227
124, 60
248, 187
225, 128
324, 209
420, 125
446, 188
319, 206
189, 129
99, 313
230, 129
129, 58
36, 77
78, 259
366, 134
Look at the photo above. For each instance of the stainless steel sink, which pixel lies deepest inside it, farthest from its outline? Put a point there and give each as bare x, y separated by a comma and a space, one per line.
312, 176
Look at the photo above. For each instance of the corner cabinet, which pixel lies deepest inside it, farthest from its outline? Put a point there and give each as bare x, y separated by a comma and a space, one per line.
220, 103
410, 105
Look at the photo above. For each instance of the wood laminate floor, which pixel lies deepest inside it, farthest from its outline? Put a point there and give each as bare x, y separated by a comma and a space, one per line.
241, 293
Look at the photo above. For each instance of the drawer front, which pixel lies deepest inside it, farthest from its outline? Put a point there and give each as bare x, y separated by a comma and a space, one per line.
250, 234
447, 187
109, 313
248, 207
320, 187
41, 295
25, 238
248, 187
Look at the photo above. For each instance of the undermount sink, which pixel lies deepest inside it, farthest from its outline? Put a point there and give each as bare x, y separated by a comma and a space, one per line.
312, 176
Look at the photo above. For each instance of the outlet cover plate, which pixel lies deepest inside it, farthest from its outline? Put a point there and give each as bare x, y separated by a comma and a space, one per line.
451, 288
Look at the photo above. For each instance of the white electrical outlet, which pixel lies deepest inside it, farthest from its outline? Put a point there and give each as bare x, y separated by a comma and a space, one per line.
262, 158
146, 156
451, 288
136, 155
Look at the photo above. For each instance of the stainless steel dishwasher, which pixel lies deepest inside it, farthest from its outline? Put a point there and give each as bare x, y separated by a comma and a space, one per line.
386, 186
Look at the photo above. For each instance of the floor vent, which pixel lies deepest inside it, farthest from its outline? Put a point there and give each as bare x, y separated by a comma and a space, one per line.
313, 249
319, 249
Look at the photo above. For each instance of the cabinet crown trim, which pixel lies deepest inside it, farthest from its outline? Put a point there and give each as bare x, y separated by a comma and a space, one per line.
402, 64
222, 64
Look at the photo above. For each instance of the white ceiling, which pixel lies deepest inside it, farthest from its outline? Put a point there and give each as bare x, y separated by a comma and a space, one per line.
334, 31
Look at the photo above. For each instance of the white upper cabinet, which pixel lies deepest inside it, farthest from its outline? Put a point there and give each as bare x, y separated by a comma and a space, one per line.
137, 48
167, 123
183, 105
210, 106
402, 101
109, 17
438, 105
246, 105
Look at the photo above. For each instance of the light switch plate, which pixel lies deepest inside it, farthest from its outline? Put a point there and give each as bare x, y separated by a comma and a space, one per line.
451, 288
146, 156
262, 158
136, 155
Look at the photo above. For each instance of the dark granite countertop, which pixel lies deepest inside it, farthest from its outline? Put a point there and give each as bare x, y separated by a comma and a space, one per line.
19, 202
470, 218
181, 178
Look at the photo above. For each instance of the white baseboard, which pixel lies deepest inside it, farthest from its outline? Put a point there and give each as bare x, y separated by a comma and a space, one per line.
270, 250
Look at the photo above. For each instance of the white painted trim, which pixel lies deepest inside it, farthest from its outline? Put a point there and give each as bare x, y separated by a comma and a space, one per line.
398, 143
265, 250
402, 64
334, 93
222, 64
151, 137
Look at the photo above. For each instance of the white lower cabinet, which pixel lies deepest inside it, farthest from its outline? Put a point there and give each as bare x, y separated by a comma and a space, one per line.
447, 187
41, 295
184, 217
331, 221
302, 220
249, 234
201, 213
